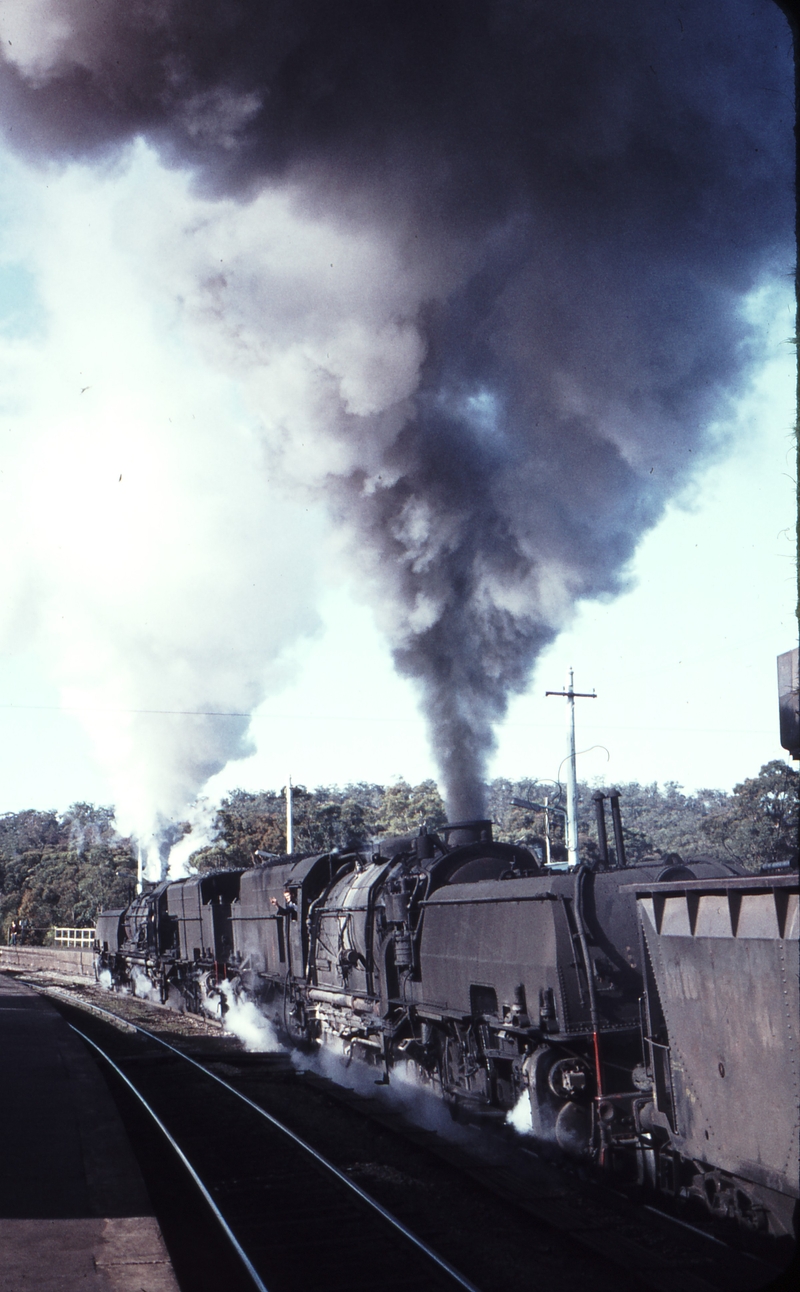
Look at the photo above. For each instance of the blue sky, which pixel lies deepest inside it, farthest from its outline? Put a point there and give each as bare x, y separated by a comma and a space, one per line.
150, 571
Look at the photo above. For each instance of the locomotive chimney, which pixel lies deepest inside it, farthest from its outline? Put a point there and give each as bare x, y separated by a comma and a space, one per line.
619, 843
457, 833
602, 838
423, 844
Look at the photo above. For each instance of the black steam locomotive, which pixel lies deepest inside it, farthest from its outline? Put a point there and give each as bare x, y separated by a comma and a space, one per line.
645, 1013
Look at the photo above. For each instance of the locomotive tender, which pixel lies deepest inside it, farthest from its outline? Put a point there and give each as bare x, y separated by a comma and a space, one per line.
643, 1011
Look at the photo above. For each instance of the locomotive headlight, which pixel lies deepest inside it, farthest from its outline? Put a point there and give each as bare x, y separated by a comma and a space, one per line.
574, 1083
569, 1078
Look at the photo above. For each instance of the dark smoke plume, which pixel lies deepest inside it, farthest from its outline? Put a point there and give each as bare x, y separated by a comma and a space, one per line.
591, 190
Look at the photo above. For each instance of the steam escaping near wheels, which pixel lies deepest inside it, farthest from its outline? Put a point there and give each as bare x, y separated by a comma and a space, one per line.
243, 1018
520, 1115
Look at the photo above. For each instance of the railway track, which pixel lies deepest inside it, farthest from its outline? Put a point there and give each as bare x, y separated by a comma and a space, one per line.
498, 1217
262, 1183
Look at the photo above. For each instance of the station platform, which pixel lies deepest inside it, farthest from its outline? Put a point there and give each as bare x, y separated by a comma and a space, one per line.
74, 1211
75, 961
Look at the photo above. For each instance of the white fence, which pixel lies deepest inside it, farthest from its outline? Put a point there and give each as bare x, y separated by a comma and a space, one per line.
73, 937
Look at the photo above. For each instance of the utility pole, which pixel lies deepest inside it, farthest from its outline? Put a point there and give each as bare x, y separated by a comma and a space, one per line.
571, 695
289, 833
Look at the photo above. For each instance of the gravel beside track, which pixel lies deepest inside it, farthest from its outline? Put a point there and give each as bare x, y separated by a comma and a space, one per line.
506, 1217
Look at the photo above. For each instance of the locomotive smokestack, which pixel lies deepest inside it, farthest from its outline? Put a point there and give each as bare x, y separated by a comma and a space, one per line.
457, 833
619, 842
600, 812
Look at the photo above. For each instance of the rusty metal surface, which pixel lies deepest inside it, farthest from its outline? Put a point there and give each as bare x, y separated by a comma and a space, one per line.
725, 959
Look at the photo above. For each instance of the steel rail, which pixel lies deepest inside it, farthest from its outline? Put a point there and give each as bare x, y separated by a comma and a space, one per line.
408, 1234
695, 1229
229, 1234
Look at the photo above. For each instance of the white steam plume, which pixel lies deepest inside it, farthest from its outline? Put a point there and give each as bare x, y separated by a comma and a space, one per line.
244, 1019
151, 564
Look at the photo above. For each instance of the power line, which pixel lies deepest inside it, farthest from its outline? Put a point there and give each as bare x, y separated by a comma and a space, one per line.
74, 708
383, 719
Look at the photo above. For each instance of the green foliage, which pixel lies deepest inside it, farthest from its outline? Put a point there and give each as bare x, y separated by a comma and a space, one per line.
245, 823
62, 869
522, 825
403, 808
663, 823
323, 819
756, 825
759, 824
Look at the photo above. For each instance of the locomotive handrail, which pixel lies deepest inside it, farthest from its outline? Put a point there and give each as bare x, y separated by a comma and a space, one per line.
442, 896
589, 968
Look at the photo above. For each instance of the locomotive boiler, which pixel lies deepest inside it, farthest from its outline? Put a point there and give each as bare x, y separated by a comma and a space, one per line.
495, 980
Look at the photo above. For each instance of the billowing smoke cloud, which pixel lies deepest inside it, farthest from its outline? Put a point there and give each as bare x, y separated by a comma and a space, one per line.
135, 512
479, 266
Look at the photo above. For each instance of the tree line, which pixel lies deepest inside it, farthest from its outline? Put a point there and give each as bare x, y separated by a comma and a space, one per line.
61, 869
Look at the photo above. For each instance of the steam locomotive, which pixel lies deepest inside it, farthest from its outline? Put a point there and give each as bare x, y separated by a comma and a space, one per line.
647, 1014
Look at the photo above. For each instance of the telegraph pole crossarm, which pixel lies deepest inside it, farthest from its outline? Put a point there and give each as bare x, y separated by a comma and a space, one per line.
574, 695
